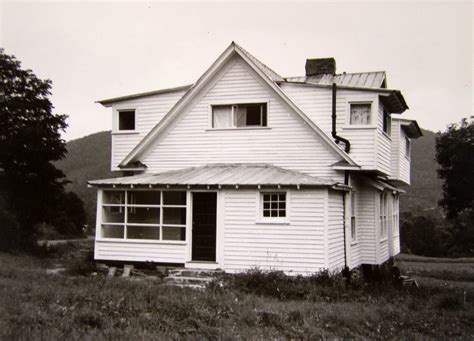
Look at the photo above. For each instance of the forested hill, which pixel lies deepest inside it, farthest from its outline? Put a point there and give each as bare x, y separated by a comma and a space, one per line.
89, 158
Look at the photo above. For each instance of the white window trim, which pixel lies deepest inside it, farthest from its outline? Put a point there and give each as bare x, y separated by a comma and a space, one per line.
115, 120
260, 219
353, 214
390, 124
383, 217
237, 102
125, 223
407, 147
374, 106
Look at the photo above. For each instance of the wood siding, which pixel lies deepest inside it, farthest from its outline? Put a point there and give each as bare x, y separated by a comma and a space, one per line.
287, 142
297, 247
140, 252
383, 145
404, 160
400, 163
335, 230
366, 201
148, 112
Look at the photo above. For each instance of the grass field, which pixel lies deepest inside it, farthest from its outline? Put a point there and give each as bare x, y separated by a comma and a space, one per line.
38, 305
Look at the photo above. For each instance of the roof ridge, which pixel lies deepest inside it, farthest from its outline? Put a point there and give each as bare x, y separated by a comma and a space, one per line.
261, 64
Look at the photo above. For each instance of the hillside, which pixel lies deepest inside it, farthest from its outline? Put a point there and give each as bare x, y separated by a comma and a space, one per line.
89, 158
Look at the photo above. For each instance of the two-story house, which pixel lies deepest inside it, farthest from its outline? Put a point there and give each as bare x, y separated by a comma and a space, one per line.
246, 168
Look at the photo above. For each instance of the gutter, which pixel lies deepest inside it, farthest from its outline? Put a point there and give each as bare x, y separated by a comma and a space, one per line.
334, 133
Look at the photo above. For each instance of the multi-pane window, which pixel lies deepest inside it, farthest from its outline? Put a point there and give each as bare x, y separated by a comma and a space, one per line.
155, 215
126, 120
353, 217
239, 115
274, 205
383, 215
387, 122
360, 113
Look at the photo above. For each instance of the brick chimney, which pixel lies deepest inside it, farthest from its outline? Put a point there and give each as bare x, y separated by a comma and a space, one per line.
320, 66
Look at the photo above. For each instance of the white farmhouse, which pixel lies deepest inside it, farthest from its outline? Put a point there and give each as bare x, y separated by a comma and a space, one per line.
248, 169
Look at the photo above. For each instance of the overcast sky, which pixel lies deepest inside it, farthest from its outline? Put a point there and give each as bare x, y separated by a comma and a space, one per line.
95, 51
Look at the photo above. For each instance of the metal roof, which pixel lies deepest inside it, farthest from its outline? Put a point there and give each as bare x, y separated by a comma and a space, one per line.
361, 79
108, 102
221, 175
265, 69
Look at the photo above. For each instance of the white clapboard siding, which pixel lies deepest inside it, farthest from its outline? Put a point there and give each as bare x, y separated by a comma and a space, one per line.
317, 104
404, 160
287, 142
383, 145
297, 247
366, 223
140, 252
395, 151
335, 230
148, 112
355, 248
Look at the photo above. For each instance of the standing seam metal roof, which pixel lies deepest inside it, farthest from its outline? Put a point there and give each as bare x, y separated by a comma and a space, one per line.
221, 174
361, 79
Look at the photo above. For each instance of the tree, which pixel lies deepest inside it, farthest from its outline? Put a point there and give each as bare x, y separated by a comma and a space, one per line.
455, 156
30, 140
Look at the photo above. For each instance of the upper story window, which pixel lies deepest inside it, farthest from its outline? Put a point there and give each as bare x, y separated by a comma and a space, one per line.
360, 114
239, 115
126, 120
387, 122
407, 147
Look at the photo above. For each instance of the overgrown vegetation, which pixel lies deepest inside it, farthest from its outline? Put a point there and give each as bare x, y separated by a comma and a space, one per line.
31, 187
255, 305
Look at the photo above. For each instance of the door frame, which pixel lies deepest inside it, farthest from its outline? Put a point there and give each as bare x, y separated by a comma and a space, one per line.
219, 232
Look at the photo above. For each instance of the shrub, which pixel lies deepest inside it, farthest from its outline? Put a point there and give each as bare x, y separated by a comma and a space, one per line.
83, 266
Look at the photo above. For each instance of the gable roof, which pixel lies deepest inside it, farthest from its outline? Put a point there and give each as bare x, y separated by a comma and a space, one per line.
362, 79
221, 175
108, 102
261, 69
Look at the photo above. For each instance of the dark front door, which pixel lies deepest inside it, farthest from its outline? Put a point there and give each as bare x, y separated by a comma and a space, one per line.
204, 226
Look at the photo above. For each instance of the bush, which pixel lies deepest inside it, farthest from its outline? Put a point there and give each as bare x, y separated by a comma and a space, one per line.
9, 231
82, 267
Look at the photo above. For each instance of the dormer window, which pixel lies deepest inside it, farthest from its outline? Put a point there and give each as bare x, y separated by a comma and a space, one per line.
387, 122
239, 115
360, 113
407, 147
126, 120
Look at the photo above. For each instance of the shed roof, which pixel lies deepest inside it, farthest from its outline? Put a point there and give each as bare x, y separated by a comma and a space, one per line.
221, 175
362, 79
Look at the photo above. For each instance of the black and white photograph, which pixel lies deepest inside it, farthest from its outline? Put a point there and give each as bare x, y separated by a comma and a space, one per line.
230, 170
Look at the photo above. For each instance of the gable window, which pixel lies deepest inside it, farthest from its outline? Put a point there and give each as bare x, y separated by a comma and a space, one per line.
360, 113
239, 115
407, 147
387, 122
353, 218
126, 120
274, 205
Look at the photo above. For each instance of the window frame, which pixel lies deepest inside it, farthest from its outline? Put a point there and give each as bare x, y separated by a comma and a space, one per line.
396, 215
386, 124
353, 219
407, 147
237, 103
127, 208
383, 216
261, 219
371, 124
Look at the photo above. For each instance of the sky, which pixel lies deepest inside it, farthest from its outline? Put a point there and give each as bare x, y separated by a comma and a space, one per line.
92, 51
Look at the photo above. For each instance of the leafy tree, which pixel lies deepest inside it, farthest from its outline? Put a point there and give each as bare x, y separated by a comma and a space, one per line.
30, 140
455, 156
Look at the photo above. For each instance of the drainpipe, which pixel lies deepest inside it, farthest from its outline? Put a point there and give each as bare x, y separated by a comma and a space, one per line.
334, 133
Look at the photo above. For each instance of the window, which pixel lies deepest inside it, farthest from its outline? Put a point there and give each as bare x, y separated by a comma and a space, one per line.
407, 147
395, 216
353, 217
274, 205
239, 115
155, 215
387, 122
383, 216
360, 113
126, 120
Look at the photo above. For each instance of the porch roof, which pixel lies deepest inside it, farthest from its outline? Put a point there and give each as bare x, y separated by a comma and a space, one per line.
220, 175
